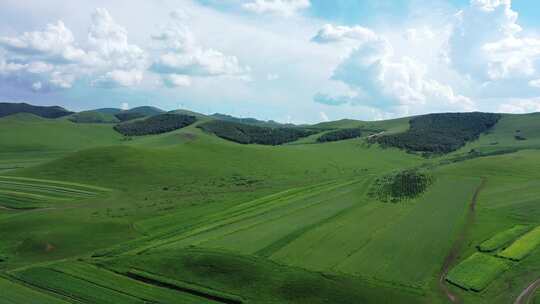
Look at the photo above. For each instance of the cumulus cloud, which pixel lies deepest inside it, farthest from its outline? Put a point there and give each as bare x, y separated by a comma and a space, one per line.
383, 80
182, 56
175, 81
119, 78
51, 59
55, 43
488, 44
277, 7
535, 83
330, 33
272, 76
520, 106
324, 117
111, 50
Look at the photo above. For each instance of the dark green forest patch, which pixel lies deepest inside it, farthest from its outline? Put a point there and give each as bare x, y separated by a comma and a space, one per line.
250, 134
155, 125
440, 133
341, 134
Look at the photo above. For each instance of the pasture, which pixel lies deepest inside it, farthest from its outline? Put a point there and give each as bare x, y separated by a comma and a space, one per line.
523, 246
477, 271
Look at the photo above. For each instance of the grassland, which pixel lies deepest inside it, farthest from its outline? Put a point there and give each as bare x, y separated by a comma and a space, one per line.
190, 216
503, 238
523, 246
477, 271
28, 193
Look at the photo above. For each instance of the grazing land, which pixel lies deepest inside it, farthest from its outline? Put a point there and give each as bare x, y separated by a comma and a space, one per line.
523, 246
218, 209
477, 271
503, 238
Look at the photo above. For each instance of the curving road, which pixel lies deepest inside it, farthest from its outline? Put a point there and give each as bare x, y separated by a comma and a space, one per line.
526, 295
453, 255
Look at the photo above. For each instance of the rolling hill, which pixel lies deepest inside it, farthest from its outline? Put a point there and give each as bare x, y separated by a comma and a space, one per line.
190, 215
7, 109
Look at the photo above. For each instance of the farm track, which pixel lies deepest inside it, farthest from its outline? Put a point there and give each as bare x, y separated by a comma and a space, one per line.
453, 255
526, 295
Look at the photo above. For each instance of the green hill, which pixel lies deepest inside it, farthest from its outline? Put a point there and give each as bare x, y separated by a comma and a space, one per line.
93, 117
186, 216
7, 109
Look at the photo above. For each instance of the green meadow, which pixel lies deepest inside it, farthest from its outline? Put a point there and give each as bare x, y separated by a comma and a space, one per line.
88, 215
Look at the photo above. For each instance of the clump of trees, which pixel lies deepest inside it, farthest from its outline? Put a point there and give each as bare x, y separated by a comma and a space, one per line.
155, 125
400, 186
250, 134
340, 134
93, 117
128, 115
440, 133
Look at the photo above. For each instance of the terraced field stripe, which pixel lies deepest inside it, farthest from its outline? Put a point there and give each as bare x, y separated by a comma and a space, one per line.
243, 216
122, 283
55, 182
197, 290
15, 293
523, 246
44, 188
74, 288
288, 210
269, 250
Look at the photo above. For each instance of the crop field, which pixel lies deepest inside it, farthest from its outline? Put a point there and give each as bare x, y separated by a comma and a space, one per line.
90, 284
11, 292
522, 246
503, 238
26, 193
477, 271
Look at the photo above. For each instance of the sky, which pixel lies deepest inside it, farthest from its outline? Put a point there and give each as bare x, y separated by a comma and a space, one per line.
299, 61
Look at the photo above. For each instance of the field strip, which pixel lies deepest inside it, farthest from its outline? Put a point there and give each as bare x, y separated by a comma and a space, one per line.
141, 245
453, 255
269, 218
55, 182
242, 216
73, 288
274, 247
195, 290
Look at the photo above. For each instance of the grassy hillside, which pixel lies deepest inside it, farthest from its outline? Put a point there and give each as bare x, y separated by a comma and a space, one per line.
188, 217
7, 109
93, 117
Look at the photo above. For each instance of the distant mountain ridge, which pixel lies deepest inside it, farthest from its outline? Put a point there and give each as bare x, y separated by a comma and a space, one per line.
7, 109
250, 121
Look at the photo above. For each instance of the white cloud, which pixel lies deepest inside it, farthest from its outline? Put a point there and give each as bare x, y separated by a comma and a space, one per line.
324, 117
111, 51
51, 59
175, 81
119, 78
182, 56
272, 76
55, 44
36, 86
535, 83
520, 106
487, 43
384, 80
124, 106
332, 33
278, 7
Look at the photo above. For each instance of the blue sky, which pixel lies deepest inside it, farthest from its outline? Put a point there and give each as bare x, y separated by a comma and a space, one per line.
288, 60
